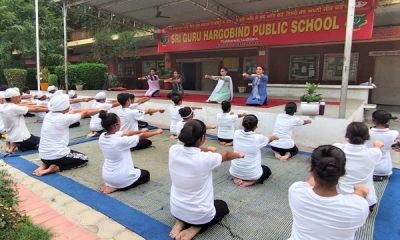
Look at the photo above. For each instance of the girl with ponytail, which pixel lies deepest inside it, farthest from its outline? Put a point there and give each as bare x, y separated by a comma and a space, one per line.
191, 174
119, 172
361, 160
319, 210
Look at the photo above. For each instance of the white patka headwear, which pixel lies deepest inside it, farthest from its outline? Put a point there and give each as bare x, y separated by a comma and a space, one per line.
100, 95
58, 103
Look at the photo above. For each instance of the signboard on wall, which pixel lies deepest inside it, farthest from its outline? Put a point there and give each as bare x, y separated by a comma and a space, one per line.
321, 23
304, 67
333, 66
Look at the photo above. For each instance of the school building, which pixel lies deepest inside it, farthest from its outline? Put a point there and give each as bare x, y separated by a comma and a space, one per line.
296, 45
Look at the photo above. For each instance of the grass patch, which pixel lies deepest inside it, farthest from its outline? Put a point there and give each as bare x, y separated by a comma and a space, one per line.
13, 226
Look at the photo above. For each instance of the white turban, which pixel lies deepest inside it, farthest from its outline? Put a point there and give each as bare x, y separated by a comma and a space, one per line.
58, 103
11, 92
71, 93
51, 88
100, 95
40, 95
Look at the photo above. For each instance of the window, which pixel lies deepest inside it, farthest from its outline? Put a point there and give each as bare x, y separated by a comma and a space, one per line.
147, 65
121, 69
333, 66
129, 69
304, 67
249, 64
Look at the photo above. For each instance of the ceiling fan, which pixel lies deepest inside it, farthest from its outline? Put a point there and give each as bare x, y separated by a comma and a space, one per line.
159, 13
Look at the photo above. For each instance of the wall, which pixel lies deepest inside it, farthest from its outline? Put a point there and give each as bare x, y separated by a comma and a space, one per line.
279, 59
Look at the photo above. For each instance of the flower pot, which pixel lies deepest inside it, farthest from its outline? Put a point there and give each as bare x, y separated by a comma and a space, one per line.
242, 89
309, 109
79, 87
44, 86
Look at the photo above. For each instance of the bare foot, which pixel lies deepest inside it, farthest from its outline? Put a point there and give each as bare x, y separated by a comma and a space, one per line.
237, 181
173, 137
278, 156
91, 134
222, 143
247, 183
176, 229
41, 168
51, 169
285, 157
228, 144
106, 189
188, 234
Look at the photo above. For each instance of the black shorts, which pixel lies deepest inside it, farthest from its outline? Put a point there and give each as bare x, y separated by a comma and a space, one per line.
282, 151
225, 140
73, 159
32, 143
143, 178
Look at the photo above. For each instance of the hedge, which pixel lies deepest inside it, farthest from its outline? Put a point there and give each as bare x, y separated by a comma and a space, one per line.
15, 77
92, 75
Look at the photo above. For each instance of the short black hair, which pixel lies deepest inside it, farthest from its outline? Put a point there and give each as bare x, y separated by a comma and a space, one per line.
249, 122
381, 117
226, 106
185, 112
176, 98
328, 164
290, 108
357, 133
132, 96
122, 98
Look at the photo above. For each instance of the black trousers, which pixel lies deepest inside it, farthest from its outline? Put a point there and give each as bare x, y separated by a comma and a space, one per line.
74, 125
143, 144
144, 178
293, 151
73, 159
221, 209
266, 173
31, 143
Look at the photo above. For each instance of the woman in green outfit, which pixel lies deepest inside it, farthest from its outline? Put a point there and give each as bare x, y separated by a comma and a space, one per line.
224, 89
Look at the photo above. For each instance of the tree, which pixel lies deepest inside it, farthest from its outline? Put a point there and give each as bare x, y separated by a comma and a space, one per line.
17, 32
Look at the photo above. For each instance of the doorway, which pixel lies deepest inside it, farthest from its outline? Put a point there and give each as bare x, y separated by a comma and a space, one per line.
189, 71
387, 81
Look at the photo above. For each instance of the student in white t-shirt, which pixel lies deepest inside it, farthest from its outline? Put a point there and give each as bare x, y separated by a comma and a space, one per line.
319, 211
130, 117
285, 147
187, 114
51, 91
360, 161
54, 137
119, 172
248, 171
76, 104
101, 104
12, 114
226, 124
41, 100
175, 116
381, 132
135, 103
192, 195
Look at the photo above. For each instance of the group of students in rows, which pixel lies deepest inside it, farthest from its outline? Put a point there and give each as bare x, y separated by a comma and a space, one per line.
330, 205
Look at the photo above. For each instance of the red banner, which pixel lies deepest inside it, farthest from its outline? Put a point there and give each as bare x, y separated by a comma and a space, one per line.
323, 23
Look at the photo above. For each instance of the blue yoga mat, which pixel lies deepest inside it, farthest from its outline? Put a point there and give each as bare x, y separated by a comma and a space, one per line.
127, 216
387, 223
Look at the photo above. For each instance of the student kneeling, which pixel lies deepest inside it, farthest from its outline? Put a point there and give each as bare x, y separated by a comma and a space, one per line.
118, 171
53, 146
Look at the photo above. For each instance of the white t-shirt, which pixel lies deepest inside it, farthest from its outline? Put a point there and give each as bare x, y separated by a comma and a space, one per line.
325, 218
41, 115
175, 118
54, 137
14, 122
226, 125
75, 106
192, 192
2, 130
388, 137
134, 106
95, 121
179, 127
360, 164
129, 118
284, 125
250, 143
118, 169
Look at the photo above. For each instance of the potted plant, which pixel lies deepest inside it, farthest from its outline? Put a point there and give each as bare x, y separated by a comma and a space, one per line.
79, 85
310, 100
44, 79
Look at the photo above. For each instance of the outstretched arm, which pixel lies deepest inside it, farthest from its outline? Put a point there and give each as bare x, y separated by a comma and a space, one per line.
36, 108
149, 134
151, 111
228, 156
85, 113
